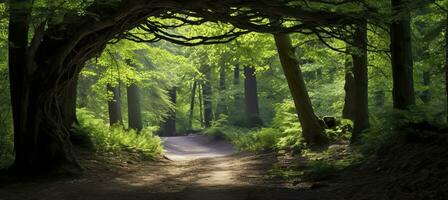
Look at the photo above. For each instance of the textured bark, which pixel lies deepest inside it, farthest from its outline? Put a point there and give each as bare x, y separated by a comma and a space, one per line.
134, 110
360, 74
402, 61
67, 102
222, 104
312, 130
114, 105
41, 145
207, 98
251, 98
348, 111
193, 95
169, 126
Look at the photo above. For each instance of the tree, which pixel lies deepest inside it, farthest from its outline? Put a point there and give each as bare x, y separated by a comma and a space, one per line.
193, 95
312, 130
360, 75
446, 60
222, 103
35, 150
114, 105
207, 97
169, 126
251, 98
401, 51
134, 110
349, 101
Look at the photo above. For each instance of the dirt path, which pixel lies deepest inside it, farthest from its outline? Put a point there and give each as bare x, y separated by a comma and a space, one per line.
199, 169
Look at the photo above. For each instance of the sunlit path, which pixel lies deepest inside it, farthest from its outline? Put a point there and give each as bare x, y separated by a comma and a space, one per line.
195, 146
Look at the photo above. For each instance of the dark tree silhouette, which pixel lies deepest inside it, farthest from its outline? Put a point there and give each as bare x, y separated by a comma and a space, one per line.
114, 105
251, 98
401, 50
134, 109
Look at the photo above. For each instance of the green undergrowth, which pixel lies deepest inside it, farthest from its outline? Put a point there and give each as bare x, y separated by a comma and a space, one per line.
115, 139
283, 133
317, 165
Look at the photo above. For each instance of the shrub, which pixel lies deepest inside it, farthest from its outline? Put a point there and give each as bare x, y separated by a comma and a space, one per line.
116, 138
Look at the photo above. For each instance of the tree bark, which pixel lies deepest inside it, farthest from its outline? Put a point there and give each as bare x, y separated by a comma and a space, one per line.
446, 63
312, 130
41, 138
402, 61
201, 107
67, 102
169, 126
193, 95
207, 97
349, 101
360, 74
222, 104
134, 110
114, 105
251, 98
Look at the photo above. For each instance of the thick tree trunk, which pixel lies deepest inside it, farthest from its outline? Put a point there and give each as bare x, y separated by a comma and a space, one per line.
348, 111
222, 104
207, 97
360, 74
402, 63
114, 105
67, 102
169, 126
41, 141
251, 98
134, 110
312, 130
193, 95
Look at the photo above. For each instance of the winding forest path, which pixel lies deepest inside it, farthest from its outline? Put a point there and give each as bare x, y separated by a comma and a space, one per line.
197, 168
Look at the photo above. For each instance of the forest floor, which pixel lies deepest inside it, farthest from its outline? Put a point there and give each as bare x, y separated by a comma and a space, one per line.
200, 168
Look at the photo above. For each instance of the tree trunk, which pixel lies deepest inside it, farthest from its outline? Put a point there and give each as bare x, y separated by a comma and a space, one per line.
207, 96
402, 63
114, 105
222, 104
193, 95
360, 74
201, 107
169, 127
68, 103
134, 110
236, 74
349, 101
251, 98
446, 63
41, 139
312, 130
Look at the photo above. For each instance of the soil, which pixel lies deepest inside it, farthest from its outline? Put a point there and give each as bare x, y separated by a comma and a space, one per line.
201, 168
